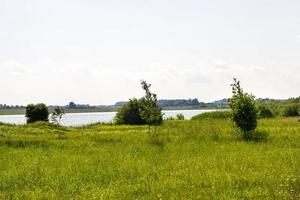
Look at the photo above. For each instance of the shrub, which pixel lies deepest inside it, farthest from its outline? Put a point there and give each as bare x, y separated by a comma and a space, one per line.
244, 109
141, 111
213, 115
291, 111
130, 113
180, 116
169, 118
36, 112
265, 112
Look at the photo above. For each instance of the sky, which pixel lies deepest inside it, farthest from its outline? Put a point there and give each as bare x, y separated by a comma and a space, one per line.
96, 51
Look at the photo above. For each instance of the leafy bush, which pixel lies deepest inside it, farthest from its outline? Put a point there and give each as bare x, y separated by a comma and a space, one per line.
141, 111
130, 113
36, 112
265, 112
213, 115
170, 118
244, 109
180, 116
291, 111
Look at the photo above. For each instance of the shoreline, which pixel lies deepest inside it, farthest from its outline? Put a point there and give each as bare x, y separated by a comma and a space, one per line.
95, 110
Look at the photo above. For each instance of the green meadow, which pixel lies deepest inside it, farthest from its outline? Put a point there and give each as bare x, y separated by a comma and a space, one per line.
188, 159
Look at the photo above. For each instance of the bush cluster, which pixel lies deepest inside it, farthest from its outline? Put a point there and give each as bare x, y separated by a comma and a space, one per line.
264, 112
291, 111
130, 113
37, 112
141, 111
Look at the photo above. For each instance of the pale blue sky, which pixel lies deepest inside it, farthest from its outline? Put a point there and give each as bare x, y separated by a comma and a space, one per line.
96, 52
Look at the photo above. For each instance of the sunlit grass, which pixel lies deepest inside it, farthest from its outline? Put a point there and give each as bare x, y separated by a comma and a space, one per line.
202, 159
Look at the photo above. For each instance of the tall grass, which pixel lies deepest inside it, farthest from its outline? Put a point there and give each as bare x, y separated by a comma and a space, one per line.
199, 159
213, 115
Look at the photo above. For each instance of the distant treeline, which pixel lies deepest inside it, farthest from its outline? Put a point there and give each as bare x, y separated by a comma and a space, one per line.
281, 107
275, 104
5, 106
165, 103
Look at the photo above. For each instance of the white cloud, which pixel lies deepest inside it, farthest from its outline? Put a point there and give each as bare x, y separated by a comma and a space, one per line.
13, 68
298, 37
54, 82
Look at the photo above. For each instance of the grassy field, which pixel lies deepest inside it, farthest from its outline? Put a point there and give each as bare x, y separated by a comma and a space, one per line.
199, 159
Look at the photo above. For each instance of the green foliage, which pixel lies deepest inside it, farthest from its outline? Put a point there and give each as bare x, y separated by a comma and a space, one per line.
57, 115
244, 109
149, 110
130, 113
180, 116
264, 112
283, 107
213, 115
291, 110
141, 111
36, 112
170, 118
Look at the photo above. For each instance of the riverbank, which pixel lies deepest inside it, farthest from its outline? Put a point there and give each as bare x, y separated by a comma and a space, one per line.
201, 159
21, 111
82, 119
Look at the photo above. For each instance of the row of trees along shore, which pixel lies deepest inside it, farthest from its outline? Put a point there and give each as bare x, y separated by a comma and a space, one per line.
245, 111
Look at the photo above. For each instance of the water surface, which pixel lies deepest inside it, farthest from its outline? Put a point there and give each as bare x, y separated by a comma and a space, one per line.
79, 119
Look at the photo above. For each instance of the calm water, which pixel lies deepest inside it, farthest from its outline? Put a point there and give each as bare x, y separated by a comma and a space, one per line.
79, 119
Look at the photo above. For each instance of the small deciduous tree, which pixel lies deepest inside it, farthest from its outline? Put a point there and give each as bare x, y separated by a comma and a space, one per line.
36, 112
244, 109
141, 111
57, 114
150, 110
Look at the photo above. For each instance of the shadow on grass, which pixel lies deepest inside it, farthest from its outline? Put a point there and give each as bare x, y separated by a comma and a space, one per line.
254, 136
158, 139
25, 143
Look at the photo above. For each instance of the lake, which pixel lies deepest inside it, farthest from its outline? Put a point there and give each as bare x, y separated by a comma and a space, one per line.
79, 119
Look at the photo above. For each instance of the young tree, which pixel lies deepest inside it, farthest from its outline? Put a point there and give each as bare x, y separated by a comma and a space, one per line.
36, 112
57, 115
150, 110
140, 111
244, 109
